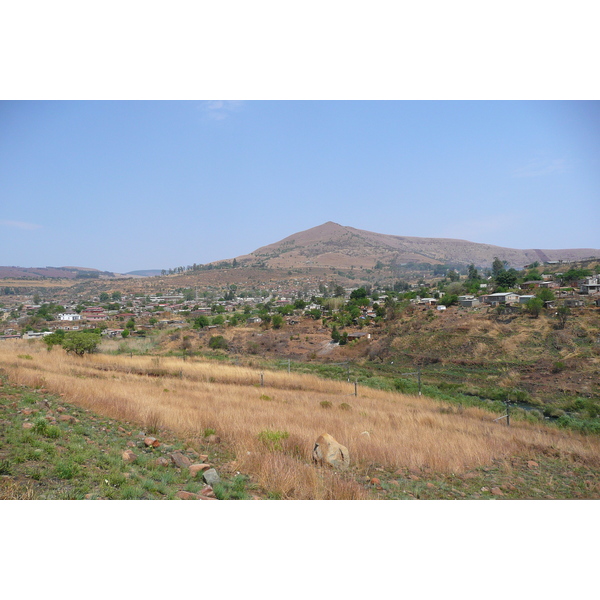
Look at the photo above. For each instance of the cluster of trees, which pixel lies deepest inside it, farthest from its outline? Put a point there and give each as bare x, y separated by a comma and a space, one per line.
220, 265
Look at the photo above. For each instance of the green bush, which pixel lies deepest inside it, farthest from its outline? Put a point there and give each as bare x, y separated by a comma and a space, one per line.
326, 404
272, 439
217, 342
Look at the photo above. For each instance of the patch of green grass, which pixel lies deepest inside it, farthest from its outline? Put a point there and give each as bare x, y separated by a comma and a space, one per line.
232, 490
272, 439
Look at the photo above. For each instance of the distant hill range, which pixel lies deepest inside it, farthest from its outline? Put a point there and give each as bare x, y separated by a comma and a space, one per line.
144, 273
333, 245
54, 273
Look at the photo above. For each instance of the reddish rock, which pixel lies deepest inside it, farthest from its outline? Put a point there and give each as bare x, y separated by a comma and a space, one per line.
27, 425
198, 468
181, 461
66, 418
131, 444
394, 482
192, 452
162, 462
61, 409
212, 439
430, 485
182, 495
375, 481
207, 492
120, 429
532, 464
27, 411
151, 442
203, 457
128, 456
414, 477
496, 491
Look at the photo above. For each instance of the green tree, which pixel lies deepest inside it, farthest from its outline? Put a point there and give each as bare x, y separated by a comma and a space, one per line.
507, 279
81, 342
277, 321
358, 294
189, 294
498, 266
534, 307
130, 324
103, 297
125, 333
472, 274
54, 339
116, 296
545, 295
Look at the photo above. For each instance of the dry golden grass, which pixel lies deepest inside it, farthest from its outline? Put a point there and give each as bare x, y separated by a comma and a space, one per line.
380, 429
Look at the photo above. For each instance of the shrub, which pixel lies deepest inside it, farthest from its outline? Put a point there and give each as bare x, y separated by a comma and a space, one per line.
272, 439
345, 406
558, 367
326, 404
217, 342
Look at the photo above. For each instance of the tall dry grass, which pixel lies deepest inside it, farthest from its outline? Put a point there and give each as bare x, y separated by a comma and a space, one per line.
380, 428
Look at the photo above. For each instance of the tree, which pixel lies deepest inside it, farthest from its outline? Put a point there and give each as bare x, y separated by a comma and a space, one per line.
562, 315
103, 297
507, 279
116, 296
545, 295
534, 307
358, 294
81, 342
54, 339
277, 321
189, 294
473, 274
497, 267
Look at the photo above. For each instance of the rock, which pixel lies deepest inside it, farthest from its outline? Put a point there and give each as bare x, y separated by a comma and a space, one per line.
329, 451
27, 425
128, 456
375, 481
496, 491
66, 418
484, 489
186, 495
151, 442
198, 468
162, 462
532, 464
430, 485
131, 444
27, 411
212, 439
181, 461
62, 409
414, 477
192, 452
203, 457
211, 477
207, 492
120, 429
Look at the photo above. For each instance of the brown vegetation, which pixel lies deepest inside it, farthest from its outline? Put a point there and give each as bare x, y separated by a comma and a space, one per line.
388, 430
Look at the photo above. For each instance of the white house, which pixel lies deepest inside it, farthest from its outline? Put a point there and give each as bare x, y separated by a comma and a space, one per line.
69, 317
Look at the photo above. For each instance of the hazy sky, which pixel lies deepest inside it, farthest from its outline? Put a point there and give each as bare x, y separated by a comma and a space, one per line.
128, 185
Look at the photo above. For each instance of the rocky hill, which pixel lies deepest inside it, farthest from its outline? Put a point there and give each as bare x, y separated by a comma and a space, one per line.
333, 245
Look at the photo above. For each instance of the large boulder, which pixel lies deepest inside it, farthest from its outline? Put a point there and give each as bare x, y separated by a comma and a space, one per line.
329, 451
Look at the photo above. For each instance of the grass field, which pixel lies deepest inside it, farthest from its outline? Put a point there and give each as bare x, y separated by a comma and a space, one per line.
400, 445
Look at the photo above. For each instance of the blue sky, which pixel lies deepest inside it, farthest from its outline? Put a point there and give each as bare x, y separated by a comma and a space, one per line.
128, 185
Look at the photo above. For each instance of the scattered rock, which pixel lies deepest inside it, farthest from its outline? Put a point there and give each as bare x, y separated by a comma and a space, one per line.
198, 468
329, 451
131, 444
496, 491
151, 442
192, 452
532, 464
375, 481
470, 476
414, 477
62, 409
212, 439
183, 495
430, 485
181, 461
484, 489
211, 477
27, 425
120, 429
128, 456
162, 462
394, 482
66, 418
27, 411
